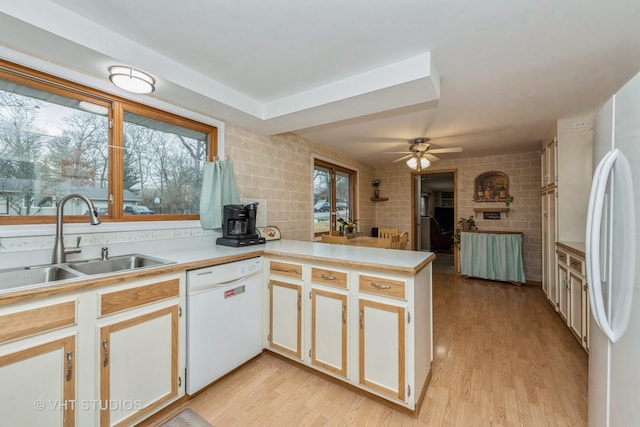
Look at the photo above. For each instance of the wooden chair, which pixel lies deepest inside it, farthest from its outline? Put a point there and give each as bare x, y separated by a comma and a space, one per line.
334, 239
401, 241
386, 233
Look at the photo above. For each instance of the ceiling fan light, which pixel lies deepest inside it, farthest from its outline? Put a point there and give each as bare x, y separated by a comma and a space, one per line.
131, 80
424, 163
413, 162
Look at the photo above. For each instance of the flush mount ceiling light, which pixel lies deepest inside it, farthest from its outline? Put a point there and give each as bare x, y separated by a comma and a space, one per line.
131, 80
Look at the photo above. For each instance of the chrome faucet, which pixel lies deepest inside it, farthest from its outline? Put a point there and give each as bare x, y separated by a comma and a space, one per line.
59, 252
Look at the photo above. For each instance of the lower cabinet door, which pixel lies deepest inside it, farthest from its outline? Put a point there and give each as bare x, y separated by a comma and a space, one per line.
575, 317
329, 331
38, 385
285, 317
564, 292
382, 348
138, 365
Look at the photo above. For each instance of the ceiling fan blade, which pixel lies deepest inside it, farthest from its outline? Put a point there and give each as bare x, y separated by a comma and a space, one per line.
447, 150
398, 152
431, 157
402, 158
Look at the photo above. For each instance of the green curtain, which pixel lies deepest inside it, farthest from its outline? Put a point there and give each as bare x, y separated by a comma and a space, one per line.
492, 256
218, 189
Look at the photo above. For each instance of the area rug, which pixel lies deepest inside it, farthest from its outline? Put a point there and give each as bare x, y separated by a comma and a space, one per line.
187, 418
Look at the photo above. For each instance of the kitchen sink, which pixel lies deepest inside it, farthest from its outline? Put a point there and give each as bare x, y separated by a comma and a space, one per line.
116, 264
27, 276
15, 278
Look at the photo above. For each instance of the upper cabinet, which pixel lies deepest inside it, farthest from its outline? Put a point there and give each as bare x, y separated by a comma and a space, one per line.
548, 176
566, 169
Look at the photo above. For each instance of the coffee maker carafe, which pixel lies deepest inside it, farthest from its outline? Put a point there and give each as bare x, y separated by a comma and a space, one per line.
239, 226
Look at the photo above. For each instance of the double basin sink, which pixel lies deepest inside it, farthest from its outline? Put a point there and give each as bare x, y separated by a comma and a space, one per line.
16, 278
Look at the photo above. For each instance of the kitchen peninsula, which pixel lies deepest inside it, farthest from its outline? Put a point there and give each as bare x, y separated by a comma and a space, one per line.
362, 316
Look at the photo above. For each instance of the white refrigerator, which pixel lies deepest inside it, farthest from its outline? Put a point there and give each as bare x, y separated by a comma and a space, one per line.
613, 263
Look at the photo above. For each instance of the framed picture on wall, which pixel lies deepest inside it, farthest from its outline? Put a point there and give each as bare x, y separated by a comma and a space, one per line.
491, 186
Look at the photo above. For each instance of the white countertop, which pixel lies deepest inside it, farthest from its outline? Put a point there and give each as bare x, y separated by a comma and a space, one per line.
196, 252
576, 247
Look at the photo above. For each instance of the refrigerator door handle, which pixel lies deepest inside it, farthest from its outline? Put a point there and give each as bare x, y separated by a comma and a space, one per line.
615, 328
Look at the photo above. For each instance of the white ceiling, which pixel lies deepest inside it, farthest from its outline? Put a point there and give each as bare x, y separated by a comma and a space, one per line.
363, 76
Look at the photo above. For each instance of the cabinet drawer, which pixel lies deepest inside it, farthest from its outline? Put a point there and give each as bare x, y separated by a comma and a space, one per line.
37, 320
562, 257
576, 265
382, 286
329, 277
126, 299
286, 269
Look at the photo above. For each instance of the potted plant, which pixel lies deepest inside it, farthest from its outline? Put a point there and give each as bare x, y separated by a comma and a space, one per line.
464, 224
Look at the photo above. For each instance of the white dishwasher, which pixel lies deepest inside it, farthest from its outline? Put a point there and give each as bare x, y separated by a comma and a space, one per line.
224, 320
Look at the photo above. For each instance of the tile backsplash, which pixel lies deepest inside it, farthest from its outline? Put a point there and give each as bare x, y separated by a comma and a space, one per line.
31, 243
44, 239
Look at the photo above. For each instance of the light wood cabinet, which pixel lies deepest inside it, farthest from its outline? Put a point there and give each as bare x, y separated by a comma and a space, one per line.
329, 319
571, 275
564, 291
549, 237
382, 347
285, 307
566, 166
548, 162
370, 329
285, 317
38, 359
329, 330
139, 365
104, 356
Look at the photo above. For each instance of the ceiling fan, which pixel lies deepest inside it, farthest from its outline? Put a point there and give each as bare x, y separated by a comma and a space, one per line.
421, 154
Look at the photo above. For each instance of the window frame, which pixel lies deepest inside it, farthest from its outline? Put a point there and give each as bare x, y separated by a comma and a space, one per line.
334, 169
116, 105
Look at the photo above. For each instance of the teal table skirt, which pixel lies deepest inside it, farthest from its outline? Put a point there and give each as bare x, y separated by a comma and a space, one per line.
492, 256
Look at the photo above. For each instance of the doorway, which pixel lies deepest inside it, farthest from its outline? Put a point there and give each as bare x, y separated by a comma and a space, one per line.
435, 211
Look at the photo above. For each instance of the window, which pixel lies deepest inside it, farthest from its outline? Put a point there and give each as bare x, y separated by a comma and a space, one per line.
134, 162
333, 196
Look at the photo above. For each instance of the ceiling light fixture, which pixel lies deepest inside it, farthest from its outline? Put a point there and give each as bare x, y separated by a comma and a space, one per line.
418, 162
131, 80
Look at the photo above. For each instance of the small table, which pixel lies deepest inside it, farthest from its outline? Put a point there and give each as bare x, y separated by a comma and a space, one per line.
373, 242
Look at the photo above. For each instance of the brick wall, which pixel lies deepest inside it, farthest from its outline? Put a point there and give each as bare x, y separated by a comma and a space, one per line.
279, 169
523, 170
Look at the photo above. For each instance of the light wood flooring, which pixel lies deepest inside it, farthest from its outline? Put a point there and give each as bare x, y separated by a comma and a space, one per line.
502, 357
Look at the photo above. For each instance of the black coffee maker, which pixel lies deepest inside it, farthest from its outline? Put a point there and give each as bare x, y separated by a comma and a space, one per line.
239, 226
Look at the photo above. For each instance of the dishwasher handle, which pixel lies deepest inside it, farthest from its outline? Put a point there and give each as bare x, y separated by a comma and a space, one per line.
194, 290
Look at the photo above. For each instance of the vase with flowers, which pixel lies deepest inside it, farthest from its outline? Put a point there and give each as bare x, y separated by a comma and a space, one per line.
347, 226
